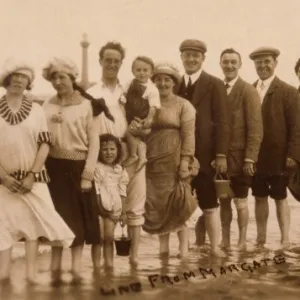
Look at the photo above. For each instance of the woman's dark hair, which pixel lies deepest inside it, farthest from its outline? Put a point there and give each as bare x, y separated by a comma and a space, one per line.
113, 46
98, 105
107, 137
7, 80
297, 66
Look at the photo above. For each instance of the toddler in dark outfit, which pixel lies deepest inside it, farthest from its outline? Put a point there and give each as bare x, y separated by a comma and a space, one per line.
142, 101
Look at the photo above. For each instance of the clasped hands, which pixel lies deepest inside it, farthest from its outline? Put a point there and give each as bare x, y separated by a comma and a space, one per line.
138, 124
16, 186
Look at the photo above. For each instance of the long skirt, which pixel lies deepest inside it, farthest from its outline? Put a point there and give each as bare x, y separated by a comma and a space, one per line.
31, 216
79, 210
170, 202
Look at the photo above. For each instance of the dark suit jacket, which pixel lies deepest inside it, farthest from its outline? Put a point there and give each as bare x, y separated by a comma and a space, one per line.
281, 121
246, 125
212, 131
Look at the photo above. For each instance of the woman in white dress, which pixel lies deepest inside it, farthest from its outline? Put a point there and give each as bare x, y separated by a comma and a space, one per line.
27, 211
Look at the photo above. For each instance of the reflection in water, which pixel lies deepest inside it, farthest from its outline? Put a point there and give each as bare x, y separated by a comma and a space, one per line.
251, 274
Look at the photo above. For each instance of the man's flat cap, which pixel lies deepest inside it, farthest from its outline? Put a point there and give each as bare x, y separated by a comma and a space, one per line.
264, 51
193, 45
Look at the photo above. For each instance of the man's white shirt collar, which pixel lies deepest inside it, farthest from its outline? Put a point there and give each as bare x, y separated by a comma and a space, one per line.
266, 82
232, 82
193, 77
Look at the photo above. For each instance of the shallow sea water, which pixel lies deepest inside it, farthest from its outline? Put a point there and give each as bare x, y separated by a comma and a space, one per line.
267, 273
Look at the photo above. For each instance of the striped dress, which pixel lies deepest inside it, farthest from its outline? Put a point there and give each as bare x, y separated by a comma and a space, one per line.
31, 215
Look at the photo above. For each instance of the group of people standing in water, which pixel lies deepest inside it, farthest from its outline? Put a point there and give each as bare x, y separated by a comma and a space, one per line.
143, 154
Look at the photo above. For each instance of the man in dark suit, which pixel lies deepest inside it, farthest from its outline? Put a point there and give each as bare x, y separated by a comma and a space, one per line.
280, 148
245, 140
208, 95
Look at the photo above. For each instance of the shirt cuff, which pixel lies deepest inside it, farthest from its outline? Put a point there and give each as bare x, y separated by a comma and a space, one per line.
249, 160
221, 155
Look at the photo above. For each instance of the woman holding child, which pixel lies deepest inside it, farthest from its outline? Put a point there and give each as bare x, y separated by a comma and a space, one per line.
171, 163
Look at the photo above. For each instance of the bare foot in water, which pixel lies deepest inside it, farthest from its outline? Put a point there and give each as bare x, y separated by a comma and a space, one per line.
242, 245
261, 239
133, 261
224, 244
285, 245
217, 253
141, 164
163, 255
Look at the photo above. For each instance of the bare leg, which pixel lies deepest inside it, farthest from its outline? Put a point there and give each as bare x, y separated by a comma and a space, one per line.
243, 218
96, 256
56, 257
200, 231
183, 237
212, 224
108, 248
164, 244
261, 216
132, 142
226, 219
76, 261
5, 263
134, 234
284, 219
31, 259
141, 150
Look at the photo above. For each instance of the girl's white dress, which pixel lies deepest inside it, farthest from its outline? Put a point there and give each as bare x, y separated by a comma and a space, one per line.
111, 183
31, 215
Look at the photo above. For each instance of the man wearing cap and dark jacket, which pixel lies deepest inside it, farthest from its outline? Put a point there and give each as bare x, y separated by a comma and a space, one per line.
246, 137
208, 95
280, 148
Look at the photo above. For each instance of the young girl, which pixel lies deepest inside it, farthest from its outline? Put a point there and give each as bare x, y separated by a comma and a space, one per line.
141, 102
111, 181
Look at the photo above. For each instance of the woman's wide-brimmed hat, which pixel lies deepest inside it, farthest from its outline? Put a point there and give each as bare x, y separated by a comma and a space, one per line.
167, 69
12, 66
61, 65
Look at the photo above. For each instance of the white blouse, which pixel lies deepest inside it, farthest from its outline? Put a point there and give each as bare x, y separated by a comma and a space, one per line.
111, 184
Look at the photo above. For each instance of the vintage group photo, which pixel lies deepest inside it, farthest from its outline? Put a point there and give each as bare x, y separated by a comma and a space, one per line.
131, 150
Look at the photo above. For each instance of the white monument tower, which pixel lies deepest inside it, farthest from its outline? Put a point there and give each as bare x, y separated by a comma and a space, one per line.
85, 84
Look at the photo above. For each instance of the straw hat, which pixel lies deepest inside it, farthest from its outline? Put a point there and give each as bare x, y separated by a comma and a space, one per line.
60, 64
167, 69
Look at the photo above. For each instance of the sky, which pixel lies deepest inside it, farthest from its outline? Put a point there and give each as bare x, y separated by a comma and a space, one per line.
37, 30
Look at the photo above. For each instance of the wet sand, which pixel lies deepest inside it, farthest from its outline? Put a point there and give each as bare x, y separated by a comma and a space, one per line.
254, 274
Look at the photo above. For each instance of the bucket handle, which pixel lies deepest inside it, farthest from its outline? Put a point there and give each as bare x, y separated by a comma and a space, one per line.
122, 224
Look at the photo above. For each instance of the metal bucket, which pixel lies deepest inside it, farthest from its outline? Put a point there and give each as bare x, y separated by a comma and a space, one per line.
222, 186
123, 244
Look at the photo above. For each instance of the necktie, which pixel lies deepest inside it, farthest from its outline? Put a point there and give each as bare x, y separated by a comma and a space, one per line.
261, 90
227, 86
189, 83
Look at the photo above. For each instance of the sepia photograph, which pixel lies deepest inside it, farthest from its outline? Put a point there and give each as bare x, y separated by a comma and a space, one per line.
149, 149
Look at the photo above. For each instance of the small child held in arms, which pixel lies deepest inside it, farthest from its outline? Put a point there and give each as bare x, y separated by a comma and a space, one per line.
141, 102
111, 182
